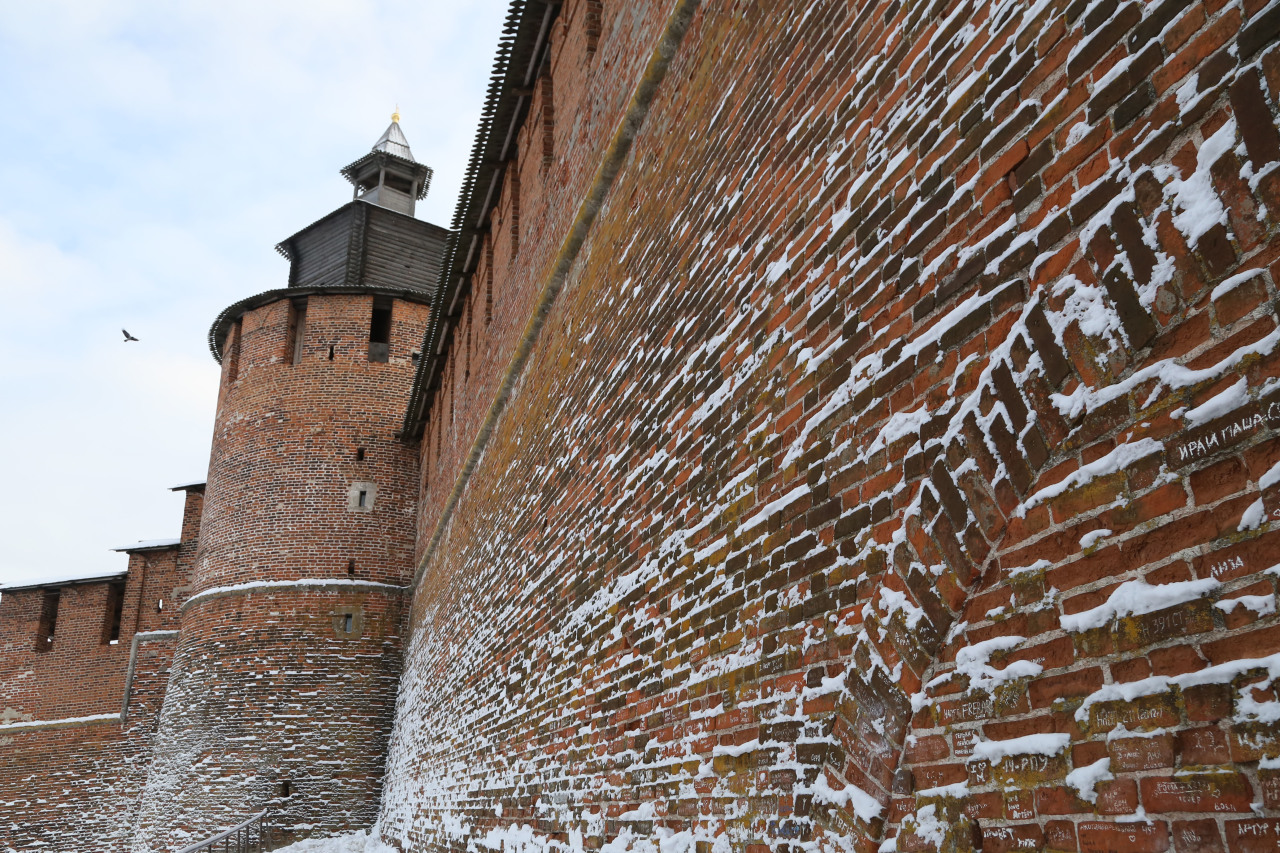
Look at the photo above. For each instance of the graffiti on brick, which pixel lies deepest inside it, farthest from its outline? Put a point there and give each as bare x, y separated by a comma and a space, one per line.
1220, 435
1230, 564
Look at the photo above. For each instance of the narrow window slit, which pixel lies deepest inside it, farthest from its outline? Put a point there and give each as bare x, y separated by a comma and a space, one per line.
380, 330
548, 120
592, 25
48, 620
115, 609
514, 170
296, 330
233, 352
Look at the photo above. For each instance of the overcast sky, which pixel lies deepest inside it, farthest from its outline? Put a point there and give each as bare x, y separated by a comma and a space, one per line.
151, 155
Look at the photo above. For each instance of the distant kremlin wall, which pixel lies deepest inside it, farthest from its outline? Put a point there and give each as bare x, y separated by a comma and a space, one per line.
833, 427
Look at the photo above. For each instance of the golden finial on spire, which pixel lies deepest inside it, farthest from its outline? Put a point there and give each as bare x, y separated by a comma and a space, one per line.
395, 116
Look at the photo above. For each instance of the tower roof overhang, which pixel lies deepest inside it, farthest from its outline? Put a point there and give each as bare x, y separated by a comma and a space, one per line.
149, 545
62, 580
420, 172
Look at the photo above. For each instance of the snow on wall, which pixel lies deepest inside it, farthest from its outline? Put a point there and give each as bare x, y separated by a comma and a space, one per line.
75, 784
894, 338
308, 706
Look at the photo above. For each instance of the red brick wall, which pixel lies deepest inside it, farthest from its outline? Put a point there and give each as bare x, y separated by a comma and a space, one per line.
79, 674
71, 783
170, 599
76, 786
895, 343
596, 89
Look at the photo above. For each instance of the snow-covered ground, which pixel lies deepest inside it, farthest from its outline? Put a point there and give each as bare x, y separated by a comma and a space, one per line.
348, 842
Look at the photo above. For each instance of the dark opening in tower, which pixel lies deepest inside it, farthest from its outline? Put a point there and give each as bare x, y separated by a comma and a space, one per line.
297, 330
233, 352
48, 620
115, 609
380, 329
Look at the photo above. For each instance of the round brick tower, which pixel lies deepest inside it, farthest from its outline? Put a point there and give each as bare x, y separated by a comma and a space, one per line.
283, 686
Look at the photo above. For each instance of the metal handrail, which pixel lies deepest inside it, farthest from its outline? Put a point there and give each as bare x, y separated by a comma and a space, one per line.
239, 838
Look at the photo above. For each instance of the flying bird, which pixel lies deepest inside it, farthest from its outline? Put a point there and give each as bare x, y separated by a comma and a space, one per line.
128, 337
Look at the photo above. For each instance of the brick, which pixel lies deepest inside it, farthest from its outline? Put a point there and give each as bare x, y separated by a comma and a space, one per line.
1098, 837
1069, 685
1184, 620
1204, 745
1269, 781
1117, 797
1216, 252
1258, 32
1197, 792
1134, 105
1056, 365
1254, 835
1060, 835
1254, 741
1101, 41
1240, 301
1250, 644
1138, 324
1141, 753
1194, 836
1175, 660
1128, 230
1003, 839
1143, 713
1207, 702
1218, 481
1254, 117
1204, 442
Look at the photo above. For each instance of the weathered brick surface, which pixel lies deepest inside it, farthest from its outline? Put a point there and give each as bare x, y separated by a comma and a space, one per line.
895, 349
264, 692
81, 671
285, 447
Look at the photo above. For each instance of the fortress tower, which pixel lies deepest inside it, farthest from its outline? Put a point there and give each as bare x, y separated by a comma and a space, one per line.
283, 685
